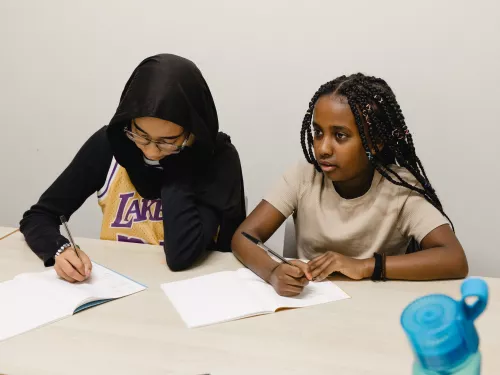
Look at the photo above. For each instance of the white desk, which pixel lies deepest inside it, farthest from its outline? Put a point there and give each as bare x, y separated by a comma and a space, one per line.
143, 334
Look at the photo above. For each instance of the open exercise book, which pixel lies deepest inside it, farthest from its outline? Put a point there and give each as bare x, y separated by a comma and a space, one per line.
31, 300
230, 295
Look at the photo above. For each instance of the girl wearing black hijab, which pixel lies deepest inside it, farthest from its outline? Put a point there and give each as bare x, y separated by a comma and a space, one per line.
162, 171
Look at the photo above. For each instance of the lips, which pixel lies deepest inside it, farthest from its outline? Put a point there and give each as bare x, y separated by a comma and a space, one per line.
327, 167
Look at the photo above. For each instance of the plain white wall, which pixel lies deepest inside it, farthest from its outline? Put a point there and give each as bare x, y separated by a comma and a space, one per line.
64, 63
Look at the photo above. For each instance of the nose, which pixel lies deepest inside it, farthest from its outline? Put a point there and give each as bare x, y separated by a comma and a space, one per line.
325, 148
151, 151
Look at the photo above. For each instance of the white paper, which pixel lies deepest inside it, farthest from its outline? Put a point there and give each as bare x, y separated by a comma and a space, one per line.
103, 283
34, 299
314, 293
212, 298
230, 295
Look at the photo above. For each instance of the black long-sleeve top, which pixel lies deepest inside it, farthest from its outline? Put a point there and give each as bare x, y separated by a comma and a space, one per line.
189, 225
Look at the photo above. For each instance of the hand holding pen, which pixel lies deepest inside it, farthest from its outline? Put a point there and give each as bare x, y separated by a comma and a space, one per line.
289, 277
71, 263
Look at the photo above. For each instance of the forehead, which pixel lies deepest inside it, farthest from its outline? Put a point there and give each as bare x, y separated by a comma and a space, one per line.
331, 110
157, 127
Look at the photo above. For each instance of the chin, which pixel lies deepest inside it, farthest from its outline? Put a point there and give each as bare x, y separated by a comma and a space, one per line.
334, 176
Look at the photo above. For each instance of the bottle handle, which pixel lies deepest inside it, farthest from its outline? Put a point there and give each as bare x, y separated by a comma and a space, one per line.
474, 287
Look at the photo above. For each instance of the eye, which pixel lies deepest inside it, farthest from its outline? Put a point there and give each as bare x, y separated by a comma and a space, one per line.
317, 133
340, 136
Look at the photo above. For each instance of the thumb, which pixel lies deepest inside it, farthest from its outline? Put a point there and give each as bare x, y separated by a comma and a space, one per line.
87, 264
304, 267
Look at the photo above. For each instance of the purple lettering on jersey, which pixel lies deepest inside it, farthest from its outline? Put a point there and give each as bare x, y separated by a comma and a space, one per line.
123, 238
158, 214
138, 211
133, 212
147, 212
119, 219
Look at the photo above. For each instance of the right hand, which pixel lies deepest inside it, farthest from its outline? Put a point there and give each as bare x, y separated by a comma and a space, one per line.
288, 281
71, 268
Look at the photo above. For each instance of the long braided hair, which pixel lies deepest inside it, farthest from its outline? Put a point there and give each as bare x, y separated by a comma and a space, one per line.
374, 104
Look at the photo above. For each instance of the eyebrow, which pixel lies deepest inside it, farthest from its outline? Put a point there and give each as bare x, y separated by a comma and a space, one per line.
335, 127
141, 130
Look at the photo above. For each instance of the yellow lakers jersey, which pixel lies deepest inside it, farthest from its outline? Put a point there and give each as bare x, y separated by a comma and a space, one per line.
127, 216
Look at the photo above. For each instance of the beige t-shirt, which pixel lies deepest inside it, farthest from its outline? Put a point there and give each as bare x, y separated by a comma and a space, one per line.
383, 220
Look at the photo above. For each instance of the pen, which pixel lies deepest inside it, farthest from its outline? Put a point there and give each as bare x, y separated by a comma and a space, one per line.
65, 223
264, 247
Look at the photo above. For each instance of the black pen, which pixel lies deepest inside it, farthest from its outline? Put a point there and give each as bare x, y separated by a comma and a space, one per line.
65, 223
265, 248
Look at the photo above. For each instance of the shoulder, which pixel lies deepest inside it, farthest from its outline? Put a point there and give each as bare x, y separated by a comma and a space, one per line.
405, 175
98, 144
225, 156
303, 173
225, 148
402, 194
302, 176
96, 153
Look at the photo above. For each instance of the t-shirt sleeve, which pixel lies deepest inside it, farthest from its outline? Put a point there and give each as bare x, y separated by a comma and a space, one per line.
285, 193
419, 217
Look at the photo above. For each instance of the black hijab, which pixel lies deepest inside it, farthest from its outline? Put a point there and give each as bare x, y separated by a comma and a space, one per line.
172, 88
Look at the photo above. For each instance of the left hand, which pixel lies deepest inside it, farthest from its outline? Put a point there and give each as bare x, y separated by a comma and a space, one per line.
322, 266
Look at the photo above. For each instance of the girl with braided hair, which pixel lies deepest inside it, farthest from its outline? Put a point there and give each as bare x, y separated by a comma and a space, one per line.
363, 204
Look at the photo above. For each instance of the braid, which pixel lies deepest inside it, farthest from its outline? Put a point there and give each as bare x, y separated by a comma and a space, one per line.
374, 105
305, 131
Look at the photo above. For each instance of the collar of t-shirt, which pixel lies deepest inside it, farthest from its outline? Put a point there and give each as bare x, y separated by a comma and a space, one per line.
152, 163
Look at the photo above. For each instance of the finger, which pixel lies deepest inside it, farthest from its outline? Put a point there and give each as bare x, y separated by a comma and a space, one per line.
325, 274
319, 273
62, 274
87, 264
301, 281
304, 267
291, 290
318, 263
75, 261
318, 258
69, 270
293, 271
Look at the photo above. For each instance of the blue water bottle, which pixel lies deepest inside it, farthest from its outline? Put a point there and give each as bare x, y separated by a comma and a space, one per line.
441, 331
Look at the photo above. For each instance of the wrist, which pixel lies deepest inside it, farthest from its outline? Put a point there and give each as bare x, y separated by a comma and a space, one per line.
368, 267
271, 270
62, 249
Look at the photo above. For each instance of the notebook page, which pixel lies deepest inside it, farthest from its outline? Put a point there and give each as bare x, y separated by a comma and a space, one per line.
31, 300
103, 283
27, 305
213, 298
259, 288
314, 293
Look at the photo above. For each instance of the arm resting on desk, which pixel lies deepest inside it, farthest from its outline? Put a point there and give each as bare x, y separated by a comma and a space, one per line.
189, 227
442, 257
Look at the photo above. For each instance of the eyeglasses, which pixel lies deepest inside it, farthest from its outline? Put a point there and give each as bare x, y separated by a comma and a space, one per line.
163, 146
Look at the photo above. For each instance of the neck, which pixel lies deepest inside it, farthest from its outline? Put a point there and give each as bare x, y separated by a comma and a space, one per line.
356, 187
